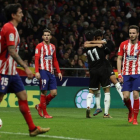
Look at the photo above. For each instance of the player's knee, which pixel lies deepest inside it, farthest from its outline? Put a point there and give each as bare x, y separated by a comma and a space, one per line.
22, 95
90, 95
54, 94
126, 97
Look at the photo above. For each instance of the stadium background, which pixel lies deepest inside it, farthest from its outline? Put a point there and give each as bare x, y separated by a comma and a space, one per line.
68, 21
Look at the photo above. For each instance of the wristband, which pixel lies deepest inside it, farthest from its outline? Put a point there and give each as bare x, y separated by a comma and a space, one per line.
119, 75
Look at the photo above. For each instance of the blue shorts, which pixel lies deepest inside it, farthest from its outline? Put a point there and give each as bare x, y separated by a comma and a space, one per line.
11, 84
131, 82
47, 81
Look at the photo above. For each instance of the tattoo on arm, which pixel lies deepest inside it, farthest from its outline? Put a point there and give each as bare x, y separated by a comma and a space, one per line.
15, 56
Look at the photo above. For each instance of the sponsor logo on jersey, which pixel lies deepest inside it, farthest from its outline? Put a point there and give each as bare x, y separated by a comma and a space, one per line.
11, 37
129, 57
52, 50
3, 87
48, 57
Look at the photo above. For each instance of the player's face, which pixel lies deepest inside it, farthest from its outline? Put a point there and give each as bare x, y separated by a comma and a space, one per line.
46, 37
18, 16
133, 34
99, 38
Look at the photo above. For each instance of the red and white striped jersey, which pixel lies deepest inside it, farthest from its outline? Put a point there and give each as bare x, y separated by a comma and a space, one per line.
8, 37
47, 57
131, 57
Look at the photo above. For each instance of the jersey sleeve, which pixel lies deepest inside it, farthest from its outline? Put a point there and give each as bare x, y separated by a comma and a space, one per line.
37, 57
10, 36
55, 62
37, 50
121, 51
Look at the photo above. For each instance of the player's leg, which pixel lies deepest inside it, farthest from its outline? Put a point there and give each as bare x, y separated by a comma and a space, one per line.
135, 106
136, 88
117, 85
97, 102
89, 101
18, 87
44, 81
52, 87
107, 102
93, 86
126, 89
105, 83
51, 95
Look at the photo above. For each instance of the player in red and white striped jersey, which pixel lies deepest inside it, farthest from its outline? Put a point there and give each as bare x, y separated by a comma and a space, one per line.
10, 82
45, 59
129, 50
7, 63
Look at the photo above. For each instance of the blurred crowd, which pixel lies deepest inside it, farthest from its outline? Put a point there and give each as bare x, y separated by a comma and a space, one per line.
69, 21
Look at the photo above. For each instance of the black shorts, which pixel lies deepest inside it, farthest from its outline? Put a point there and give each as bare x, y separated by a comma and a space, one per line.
109, 67
99, 76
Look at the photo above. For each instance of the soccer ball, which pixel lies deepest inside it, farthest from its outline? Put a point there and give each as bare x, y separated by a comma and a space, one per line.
81, 98
0, 123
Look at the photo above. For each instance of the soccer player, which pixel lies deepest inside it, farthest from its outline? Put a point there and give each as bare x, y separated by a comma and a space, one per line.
107, 50
9, 78
45, 59
98, 74
129, 50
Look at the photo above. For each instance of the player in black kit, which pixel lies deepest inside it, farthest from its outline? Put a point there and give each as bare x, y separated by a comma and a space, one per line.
98, 73
108, 48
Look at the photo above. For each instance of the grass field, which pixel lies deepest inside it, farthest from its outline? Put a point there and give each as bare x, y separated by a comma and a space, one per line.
69, 124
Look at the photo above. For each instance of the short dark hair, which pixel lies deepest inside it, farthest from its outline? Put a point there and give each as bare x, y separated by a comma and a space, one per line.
134, 27
89, 36
11, 9
46, 30
98, 33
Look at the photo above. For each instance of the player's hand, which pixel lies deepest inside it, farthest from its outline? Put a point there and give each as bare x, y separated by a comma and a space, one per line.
120, 78
29, 73
37, 75
104, 42
100, 45
60, 76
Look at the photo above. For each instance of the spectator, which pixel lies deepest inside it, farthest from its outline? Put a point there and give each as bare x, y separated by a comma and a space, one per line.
31, 51
81, 56
80, 73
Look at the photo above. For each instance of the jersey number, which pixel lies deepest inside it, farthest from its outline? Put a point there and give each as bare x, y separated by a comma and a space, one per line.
91, 52
4, 81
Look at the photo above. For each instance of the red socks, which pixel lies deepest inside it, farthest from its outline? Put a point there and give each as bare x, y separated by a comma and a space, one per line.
43, 103
128, 105
136, 108
49, 98
23, 106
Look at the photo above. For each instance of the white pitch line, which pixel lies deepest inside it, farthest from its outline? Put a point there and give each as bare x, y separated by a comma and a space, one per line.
49, 136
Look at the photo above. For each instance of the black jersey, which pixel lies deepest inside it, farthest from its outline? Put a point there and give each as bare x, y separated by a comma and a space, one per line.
96, 57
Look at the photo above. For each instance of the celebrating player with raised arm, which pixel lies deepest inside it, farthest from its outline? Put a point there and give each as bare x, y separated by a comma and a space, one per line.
129, 50
45, 59
98, 74
9, 79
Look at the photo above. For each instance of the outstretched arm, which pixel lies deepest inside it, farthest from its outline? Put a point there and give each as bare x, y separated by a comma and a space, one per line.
88, 45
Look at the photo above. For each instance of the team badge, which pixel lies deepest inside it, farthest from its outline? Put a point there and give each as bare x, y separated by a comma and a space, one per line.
11, 37
3, 87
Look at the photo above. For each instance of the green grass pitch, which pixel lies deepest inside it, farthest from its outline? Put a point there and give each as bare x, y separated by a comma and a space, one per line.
69, 123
